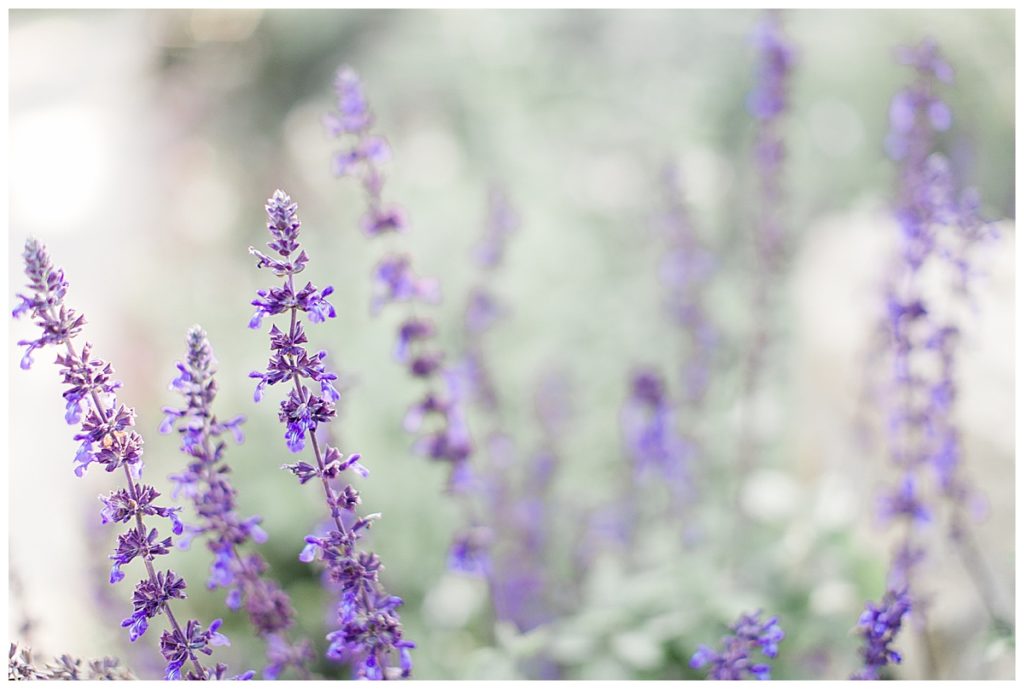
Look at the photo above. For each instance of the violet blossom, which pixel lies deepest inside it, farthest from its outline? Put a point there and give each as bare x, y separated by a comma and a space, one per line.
437, 417
653, 444
937, 226
737, 658
108, 438
205, 482
369, 634
686, 270
879, 625
767, 103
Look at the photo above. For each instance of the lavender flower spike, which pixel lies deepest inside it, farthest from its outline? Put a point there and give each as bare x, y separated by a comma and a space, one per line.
394, 281
767, 103
735, 661
879, 625
108, 438
205, 482
369, 635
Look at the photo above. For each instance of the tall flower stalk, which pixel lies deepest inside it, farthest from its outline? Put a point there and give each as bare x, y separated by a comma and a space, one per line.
655, 445
108, 438
369, 634
439, 417
937, 226
471, 379
768, 103
507, 516
686, 271
205, 483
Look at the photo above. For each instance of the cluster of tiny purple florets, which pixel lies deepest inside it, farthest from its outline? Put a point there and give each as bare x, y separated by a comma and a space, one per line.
370, 634
508, 516
653, 443
768, 102
936, 225
438, 417
470, 380
735, 660
686, 270
879, 625
205, 483
108, 438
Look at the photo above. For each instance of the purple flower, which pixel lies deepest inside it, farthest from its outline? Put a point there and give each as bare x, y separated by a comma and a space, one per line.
736, 659
394, 281
149, 599
768, 100
45, 303
937, 226
208, 487
502, 222
353, 115
906, 503
178, 647
411, 331
652, 441
768, 103
469, 552
879, 625
369, 636
107, 438
686, 270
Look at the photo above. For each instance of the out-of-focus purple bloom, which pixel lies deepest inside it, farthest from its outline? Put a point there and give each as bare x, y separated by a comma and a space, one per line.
736, 659
107, 438
503, 221
482, 311
363, 153
394, 281
769, 98
687, 268
369, 635
411, 331
905, 503
205, 482
916, 112
768, 102
937, 225
652, 441
470, 552
445, 436
879, 625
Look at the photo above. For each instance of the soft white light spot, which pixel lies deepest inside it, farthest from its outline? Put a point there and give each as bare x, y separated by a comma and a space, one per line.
60, 164
833, 596
432, 148
770, 495
706, 176
454, 600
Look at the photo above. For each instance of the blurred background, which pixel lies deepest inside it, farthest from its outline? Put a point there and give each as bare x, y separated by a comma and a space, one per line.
143, 145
